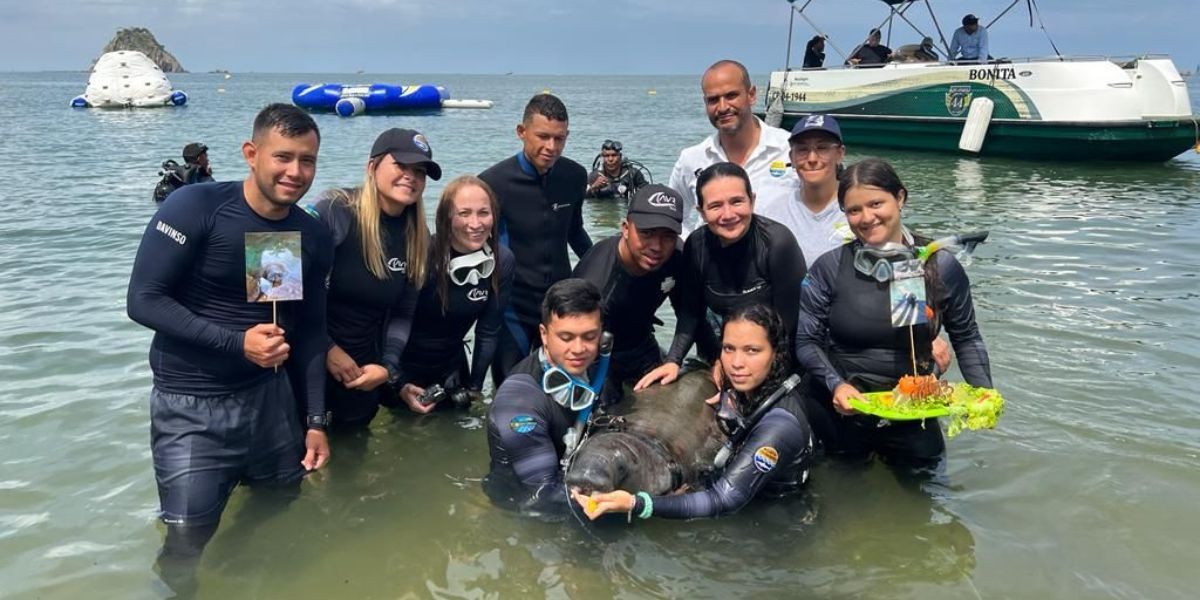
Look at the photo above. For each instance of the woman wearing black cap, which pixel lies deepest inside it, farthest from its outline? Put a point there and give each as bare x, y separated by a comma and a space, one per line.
381, 249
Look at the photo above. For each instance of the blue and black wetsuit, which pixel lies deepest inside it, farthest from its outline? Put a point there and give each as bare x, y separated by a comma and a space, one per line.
369, 318
540, 215
434, 353
845, 334
525, 440
628, 303
775, 455
218, 419
766, 266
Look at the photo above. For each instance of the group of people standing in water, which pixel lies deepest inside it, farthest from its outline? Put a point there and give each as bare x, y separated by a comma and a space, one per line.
777, 277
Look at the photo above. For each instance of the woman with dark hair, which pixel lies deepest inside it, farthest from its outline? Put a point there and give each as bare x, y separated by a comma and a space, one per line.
737, 258
381, 249
871, 52
469, 280
758, 408
814, 52
850, 339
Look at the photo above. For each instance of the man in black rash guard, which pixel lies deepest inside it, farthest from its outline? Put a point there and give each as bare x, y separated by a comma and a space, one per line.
635, 272
541, 212
526, 423
222, 411
434, 354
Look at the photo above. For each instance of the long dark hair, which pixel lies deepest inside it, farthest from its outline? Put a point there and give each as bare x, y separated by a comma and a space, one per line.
777, 335
716, 171
443, 218
878, 173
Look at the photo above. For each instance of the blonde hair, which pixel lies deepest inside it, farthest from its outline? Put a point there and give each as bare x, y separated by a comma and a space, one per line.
364, 201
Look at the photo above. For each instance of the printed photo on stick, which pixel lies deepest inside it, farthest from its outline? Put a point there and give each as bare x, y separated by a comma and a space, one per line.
273, 268
907, 294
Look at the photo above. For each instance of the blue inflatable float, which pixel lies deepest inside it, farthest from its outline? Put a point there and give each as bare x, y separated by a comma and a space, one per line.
377, 98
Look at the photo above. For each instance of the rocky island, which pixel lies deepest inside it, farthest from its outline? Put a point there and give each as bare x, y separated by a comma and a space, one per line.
141, 40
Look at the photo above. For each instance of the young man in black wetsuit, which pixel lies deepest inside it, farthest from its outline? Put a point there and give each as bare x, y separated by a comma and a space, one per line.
536, 406
223, 409
635, 272
541, 212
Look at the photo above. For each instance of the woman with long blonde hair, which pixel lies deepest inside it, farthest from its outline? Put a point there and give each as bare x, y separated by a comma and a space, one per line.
381, 249
470, 275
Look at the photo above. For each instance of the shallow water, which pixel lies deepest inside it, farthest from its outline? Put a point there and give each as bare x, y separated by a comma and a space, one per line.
1087, 295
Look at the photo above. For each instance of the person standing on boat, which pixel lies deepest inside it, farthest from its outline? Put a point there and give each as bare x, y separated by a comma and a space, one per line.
814, 53
741, 138
541, 213
227, 372
871, 52
635, 272
615, 177
969, 42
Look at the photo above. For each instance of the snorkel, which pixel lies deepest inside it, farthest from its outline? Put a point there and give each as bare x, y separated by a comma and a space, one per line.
738, 434
876, 262
961, 245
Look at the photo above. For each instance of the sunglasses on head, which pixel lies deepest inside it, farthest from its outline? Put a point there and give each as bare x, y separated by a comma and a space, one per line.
611, 145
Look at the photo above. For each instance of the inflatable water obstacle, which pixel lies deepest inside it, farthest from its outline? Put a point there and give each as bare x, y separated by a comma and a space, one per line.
128, 79
377, 98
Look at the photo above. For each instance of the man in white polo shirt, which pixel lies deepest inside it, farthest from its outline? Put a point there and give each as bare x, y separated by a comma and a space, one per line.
813, 214
741, 138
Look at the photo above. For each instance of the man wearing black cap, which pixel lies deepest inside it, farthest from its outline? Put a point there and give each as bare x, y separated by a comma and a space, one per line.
195, 157
813, 215
635, 271
970, 42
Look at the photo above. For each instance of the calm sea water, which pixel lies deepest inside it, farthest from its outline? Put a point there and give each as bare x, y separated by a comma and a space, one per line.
1087, 295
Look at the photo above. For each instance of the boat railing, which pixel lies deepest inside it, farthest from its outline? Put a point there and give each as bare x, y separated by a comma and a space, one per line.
1120, 60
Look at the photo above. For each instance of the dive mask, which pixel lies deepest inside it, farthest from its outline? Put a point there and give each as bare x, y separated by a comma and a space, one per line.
565, 388
876, 261
470, 269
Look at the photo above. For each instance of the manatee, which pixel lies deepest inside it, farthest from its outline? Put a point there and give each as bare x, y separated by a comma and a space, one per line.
663, 440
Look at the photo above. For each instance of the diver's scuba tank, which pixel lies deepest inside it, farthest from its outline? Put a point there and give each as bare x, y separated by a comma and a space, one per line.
739, 434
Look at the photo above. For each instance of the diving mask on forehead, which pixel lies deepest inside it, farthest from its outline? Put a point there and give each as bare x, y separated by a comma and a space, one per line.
470, 269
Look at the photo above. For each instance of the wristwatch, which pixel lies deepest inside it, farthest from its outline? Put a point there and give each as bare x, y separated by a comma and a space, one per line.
318, 422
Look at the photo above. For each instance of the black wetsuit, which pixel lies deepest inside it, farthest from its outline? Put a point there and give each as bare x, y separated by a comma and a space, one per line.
845, 334
539, 216
369, 318
525, 441
868, 55
766, 266
628, 304
776, 452
623, 185
434, 353
216, 418
813, 59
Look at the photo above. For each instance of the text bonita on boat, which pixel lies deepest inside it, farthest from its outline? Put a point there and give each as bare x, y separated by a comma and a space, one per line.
1059, 107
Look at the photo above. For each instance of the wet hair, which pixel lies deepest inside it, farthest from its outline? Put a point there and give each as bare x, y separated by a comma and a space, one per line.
874, 172
746, 81
777, 336
547, 105
443, 219
717, 171
291, 121
570, 297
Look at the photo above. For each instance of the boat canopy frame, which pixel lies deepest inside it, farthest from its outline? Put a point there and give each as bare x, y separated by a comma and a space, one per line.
898, 8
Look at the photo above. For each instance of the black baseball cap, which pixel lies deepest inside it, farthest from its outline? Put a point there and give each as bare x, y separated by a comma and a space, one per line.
408, 147
193, 151
970, 20
656, 206
824, 123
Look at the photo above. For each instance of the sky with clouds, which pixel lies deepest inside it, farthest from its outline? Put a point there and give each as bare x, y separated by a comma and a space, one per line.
554, 37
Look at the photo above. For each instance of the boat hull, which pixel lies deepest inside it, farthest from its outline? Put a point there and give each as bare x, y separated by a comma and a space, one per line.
1084, 109
1152, 141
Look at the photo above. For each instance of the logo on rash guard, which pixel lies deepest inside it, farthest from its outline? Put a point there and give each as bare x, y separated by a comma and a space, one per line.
171, 233
558, 207
765, 458
668, 284
397, 265
522, 424
477, 295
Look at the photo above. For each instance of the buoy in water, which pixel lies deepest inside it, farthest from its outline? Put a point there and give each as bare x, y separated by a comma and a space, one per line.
652, 92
